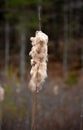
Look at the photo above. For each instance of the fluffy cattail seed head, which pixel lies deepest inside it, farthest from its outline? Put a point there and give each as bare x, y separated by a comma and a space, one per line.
39, 59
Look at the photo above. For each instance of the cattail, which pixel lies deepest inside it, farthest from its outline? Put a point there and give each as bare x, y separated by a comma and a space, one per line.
39, 60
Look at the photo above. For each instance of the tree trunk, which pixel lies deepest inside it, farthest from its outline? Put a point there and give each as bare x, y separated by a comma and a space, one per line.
82, 57
65, 67
22, 56
7, 29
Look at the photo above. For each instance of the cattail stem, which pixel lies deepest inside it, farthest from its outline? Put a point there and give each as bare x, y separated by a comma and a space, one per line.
35, 93
34, 110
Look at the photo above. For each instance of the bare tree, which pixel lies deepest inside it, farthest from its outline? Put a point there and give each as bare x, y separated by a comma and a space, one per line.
22, 55
7, 30
65, 67
82, 56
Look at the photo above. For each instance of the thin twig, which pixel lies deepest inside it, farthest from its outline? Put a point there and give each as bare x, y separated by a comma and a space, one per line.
39, 16
34, 110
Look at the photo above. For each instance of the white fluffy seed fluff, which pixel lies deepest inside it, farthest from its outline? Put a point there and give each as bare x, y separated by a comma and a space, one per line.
39, 59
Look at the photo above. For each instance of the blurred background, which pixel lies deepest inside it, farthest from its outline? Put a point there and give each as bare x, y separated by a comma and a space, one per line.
60, 102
